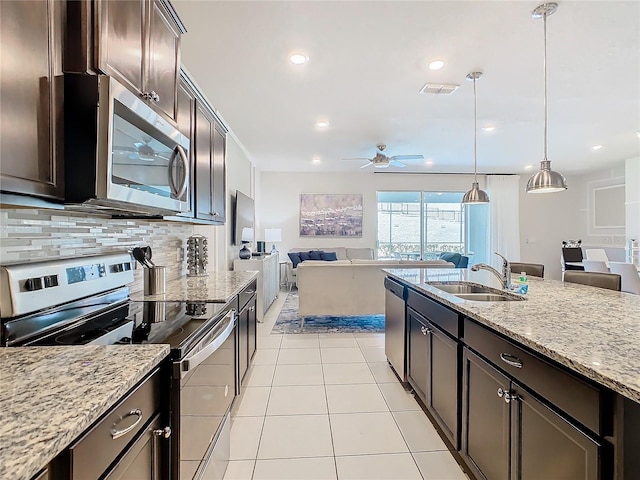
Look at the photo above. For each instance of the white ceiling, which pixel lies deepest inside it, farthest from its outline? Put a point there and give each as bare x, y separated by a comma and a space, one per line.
368, 60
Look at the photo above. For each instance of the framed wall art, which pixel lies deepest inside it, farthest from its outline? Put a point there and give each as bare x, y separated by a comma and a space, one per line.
330, 215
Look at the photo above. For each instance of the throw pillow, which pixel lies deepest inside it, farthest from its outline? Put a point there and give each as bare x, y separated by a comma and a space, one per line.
329, 256
315, 255
295, 258
304, 256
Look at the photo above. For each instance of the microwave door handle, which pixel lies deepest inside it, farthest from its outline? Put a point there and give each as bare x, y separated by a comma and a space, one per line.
192, 361
178, 151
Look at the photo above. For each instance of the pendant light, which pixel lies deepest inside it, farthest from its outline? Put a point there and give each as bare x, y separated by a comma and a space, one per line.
475, 195
546, 180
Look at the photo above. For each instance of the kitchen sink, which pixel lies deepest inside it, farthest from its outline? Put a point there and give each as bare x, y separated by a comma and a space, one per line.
457, 288
487, 297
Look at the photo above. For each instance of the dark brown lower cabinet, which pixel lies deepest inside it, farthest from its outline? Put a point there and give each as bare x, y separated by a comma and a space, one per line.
433, 372
246, 336
507, 433
485, 419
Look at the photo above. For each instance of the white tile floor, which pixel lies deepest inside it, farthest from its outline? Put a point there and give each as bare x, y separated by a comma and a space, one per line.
329, 407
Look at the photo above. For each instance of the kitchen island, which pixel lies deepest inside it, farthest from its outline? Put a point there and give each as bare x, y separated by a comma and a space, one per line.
51, 395
553, 374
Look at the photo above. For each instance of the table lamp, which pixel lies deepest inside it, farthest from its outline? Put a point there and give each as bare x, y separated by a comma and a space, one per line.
273, 235
246, 237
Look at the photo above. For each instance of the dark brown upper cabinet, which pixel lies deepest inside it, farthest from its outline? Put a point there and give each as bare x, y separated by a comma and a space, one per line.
197, 120
135, 41
31, 98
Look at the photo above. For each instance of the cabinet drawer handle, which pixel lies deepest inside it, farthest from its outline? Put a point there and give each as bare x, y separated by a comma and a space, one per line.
511, 360
115, 434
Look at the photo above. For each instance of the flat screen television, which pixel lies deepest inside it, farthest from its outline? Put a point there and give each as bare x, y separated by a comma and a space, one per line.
243, 218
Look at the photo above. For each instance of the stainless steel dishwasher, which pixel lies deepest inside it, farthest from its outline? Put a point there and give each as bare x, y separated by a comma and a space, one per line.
395, 329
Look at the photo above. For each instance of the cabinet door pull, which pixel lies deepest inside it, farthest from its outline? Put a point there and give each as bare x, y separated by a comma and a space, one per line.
163, 432
511, 360
509, 396
501, 392
115, 434
425, 330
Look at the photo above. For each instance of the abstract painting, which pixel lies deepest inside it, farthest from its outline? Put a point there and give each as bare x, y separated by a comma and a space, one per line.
330, 215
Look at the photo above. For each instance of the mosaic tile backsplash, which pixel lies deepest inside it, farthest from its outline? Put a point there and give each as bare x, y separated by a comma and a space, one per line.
31, 235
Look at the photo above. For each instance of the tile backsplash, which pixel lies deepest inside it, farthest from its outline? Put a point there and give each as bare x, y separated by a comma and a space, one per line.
32, 235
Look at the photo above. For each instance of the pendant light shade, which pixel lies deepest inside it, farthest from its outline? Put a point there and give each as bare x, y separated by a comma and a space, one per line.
546, 180
475, 195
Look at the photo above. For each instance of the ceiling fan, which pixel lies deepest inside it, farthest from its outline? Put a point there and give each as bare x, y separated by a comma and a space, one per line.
383, 161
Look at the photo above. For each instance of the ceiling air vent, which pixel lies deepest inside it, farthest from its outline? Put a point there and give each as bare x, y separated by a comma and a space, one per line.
439, 89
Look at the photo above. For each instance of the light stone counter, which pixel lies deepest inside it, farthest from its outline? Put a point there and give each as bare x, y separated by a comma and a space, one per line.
593, 331
217, 287
50, 395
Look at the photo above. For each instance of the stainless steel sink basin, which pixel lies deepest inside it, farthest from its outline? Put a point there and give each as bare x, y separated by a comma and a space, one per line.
487, 297
457, 288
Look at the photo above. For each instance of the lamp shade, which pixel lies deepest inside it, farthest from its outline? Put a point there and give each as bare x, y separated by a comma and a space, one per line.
247, 234
546, 180
475, 195
272, 235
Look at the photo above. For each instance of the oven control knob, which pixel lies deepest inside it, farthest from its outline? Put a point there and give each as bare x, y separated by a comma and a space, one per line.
32, 284
50, 281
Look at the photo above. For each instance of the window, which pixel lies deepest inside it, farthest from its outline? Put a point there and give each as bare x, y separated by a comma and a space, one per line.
422, 225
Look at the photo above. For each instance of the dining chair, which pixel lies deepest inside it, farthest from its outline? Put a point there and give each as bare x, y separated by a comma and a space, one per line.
597, 254
630, 276
595, 266
595, 279
531, 269
571, 255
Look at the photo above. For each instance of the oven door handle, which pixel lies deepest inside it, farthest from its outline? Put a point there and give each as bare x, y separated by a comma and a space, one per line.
192, 361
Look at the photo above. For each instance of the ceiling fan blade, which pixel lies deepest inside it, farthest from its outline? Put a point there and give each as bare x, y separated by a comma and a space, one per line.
407, 157
366, 164
396, 163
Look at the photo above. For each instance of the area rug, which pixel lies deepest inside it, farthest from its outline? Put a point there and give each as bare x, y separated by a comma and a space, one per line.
289, 321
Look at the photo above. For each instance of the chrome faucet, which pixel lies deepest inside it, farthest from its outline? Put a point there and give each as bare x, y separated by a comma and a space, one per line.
505, 277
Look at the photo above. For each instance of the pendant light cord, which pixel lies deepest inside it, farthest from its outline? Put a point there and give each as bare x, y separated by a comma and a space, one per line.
544, 19
475, 133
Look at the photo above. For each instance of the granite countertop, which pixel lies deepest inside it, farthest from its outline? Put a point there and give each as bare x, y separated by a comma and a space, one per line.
593, 331
50, 395
217, 287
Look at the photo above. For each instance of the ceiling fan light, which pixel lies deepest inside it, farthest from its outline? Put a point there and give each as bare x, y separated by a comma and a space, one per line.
475, 196
546, 180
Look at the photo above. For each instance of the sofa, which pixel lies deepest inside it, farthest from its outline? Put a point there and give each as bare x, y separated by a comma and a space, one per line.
348, 287
342, 253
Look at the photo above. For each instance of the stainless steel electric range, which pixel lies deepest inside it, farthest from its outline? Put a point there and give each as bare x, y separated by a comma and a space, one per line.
85, 300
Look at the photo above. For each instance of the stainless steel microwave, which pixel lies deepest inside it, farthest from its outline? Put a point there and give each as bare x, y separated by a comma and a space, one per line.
121, 157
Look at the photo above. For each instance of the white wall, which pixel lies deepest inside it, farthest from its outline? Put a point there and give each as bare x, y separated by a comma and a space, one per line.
546, 219
632, 202
607, 237
279, 200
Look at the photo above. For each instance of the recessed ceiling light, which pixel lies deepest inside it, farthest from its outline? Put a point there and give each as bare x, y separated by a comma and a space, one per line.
436, 65
528, 167
488, 128
298, 59
428, 162
322, 124
596, 147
